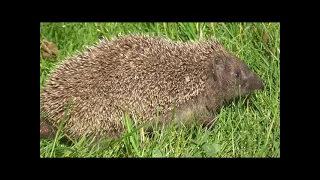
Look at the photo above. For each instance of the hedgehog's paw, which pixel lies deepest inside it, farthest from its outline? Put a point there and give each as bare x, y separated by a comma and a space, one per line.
208, 120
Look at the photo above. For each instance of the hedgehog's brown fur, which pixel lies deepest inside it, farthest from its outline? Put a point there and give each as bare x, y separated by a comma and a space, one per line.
141, 74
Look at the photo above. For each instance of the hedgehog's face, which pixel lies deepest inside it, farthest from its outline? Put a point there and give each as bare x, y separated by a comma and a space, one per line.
235, 77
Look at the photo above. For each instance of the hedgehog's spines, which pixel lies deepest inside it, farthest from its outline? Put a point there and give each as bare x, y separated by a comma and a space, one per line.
103, 42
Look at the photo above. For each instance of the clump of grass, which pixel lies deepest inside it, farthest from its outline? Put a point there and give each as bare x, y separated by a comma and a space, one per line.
247, 127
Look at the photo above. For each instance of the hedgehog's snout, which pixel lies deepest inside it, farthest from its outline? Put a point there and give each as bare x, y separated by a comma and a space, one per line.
262, 85
257, 84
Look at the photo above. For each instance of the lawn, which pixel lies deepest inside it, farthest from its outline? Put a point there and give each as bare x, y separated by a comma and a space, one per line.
248, 127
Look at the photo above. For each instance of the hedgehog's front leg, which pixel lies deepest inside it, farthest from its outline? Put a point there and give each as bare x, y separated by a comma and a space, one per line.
207, 120
197, 112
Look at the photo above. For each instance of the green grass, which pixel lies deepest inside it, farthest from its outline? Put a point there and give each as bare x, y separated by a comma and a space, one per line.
245, 128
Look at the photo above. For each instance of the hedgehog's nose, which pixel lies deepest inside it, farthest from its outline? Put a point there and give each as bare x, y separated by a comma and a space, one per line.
257, 85
262, 85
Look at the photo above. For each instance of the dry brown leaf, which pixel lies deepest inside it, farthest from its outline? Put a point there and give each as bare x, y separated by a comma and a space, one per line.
48, 49
265, 37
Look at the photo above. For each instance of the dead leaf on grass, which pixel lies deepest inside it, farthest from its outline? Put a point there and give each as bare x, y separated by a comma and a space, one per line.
48, 49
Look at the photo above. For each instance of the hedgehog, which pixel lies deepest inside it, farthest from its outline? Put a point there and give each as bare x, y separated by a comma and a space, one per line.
152, 78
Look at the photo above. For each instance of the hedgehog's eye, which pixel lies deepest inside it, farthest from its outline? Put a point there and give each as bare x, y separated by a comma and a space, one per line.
237, 74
